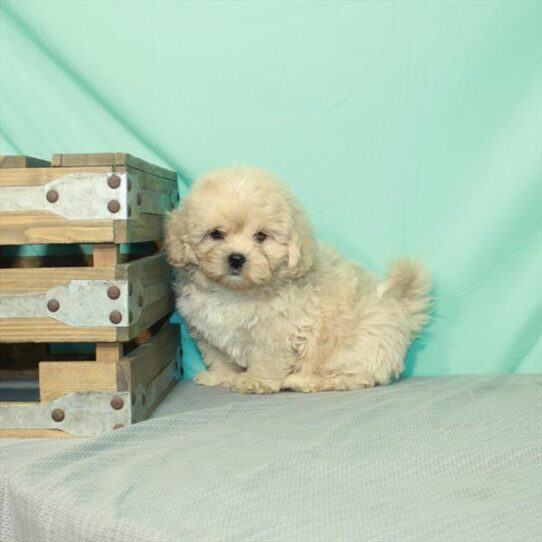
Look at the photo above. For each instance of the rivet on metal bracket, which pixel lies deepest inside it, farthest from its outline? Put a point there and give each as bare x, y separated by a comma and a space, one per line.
53, 305
57, 415
113, 292
113, 181
115, 317
113, 206
52, 196
117, 402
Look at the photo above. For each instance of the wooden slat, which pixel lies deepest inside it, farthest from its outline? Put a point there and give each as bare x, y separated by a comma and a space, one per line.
19, 161
108, 352
111, 159
145, 364
148, 359
165, 388
58, 378
106, 255
151, 182
44, 330
151, 314
41, 227
42, 279
41, 176
148, 269
146, 228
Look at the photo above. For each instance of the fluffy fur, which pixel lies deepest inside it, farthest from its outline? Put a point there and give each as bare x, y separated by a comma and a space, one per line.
297, 315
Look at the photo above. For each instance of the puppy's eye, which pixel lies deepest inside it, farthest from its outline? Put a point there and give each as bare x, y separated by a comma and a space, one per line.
217, 234
260, 236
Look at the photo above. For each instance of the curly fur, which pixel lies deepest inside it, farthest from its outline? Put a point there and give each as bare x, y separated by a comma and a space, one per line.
298, 316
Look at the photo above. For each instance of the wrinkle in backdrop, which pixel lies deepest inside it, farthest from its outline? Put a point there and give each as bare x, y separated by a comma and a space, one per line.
403, 127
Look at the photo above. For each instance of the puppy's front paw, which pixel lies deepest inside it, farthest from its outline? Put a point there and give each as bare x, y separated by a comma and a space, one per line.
214, 378
245, 383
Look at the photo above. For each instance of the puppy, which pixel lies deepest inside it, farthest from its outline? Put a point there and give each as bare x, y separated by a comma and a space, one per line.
272, 309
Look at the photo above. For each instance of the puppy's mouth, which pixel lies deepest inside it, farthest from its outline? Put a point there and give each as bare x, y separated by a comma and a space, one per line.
234, 272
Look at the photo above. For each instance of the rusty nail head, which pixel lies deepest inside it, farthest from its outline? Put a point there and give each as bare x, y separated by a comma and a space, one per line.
57, 414
140, 300
139, 198
115, 317
113, 206
52, 196
113, 292
117, 402
113, 181
53, 305
118, 426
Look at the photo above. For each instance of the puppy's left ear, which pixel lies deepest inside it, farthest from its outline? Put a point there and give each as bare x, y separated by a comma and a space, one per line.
301, 246
177, 246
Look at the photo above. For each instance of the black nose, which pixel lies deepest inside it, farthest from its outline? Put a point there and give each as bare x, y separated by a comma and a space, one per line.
236, 261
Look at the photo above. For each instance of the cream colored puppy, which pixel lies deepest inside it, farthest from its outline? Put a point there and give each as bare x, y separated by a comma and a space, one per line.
271, 308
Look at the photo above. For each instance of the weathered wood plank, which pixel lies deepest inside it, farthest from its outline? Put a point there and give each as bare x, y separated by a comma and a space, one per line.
20, 161
41, 227
148, 359
106, 255
146, 228
108, 352
58, 378
151, 182
165, 386
152, 362
41, 176
42, 279
44, 330
147, 269
151, 314
111, 159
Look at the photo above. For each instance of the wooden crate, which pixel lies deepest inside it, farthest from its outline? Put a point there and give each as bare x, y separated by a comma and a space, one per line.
92, 198
109, 303
110, 300
88, 398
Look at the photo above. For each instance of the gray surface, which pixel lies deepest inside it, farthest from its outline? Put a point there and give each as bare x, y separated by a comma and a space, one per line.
454, 458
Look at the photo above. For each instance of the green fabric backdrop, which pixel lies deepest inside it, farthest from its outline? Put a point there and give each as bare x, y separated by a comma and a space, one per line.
404, 127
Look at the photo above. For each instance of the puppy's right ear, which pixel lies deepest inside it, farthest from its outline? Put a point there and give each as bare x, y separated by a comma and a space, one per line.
177, 246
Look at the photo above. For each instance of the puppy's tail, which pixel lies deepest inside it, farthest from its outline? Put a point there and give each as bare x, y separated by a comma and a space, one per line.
409, 283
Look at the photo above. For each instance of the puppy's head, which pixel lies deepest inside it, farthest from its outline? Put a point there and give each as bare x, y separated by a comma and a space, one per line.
239, 227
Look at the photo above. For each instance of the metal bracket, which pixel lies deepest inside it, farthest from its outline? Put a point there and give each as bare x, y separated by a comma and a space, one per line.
85, 302
88, 196
76, 303
82, 414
